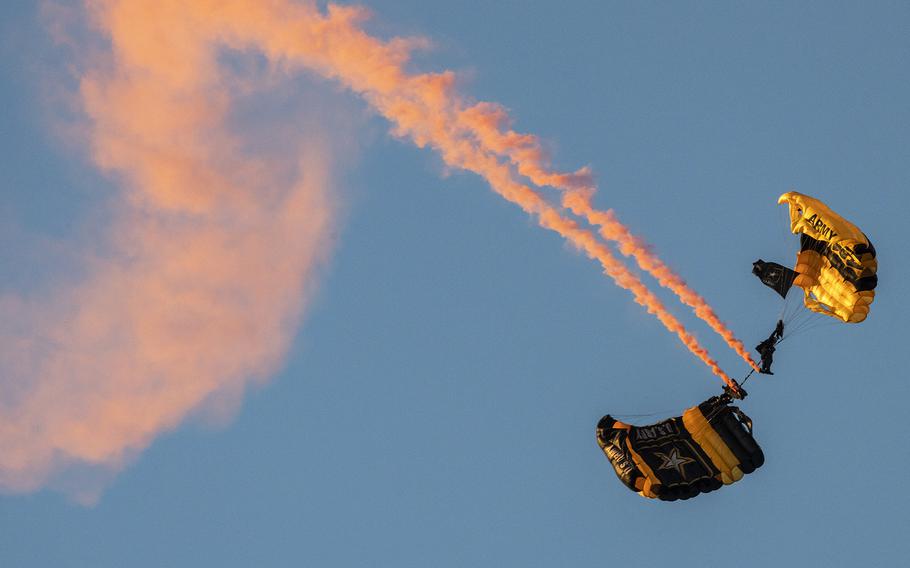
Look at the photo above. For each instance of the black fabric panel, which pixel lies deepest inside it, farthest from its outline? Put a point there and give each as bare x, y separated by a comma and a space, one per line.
613, 442
673, 456
808, 243
740, 442
860, 248
775, 276
605, 423
723, 428
752, 457
867, 283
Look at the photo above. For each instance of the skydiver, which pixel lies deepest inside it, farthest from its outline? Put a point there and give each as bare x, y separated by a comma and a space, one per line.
766, 348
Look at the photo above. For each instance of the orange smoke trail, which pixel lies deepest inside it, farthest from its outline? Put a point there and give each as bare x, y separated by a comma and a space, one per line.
426, 108
579, 202
486, 122
501, 180
212, 251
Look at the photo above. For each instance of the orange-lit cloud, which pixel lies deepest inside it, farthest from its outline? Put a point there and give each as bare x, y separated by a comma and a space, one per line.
198, 290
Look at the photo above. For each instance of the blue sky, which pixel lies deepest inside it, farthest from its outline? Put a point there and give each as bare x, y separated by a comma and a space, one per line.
438, 405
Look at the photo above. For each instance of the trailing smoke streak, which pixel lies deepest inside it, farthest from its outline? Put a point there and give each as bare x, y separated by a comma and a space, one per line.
486, 121
202, 291
501, 180
629, 245
427, 108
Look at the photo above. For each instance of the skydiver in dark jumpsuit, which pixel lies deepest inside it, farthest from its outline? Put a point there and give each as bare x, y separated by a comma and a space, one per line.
766, 348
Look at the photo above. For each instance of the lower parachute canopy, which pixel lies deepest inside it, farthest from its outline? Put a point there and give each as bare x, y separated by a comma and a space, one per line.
709, 446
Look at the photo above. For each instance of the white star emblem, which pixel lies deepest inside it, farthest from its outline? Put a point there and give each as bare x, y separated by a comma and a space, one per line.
674, 461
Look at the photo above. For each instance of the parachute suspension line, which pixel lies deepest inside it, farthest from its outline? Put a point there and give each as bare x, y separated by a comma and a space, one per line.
783, 219
797, 318
786, 236
803, 324
788, 312
808, 325
796, 307
746, 378
804, 320
793, 309
646, 415
782, 313
751, 372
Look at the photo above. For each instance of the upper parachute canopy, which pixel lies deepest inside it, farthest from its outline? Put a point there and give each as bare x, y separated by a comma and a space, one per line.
836, 264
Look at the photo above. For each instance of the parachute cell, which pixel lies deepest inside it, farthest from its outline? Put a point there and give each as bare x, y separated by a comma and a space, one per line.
836, 264
709, 446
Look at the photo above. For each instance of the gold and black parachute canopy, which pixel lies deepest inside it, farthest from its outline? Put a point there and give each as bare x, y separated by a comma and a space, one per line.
709, 446
836, 266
